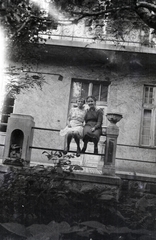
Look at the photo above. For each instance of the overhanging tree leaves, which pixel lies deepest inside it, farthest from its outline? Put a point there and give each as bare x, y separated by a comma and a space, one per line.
22, 22
25, 19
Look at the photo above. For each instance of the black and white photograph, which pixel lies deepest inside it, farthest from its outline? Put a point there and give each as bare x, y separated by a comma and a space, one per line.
77, 120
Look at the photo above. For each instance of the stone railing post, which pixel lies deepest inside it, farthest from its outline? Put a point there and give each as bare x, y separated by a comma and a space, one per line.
112, 133
19, 137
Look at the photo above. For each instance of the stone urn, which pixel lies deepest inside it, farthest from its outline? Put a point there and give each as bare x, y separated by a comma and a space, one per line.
113, 118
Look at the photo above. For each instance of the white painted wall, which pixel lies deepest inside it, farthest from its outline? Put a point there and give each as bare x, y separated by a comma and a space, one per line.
49, 108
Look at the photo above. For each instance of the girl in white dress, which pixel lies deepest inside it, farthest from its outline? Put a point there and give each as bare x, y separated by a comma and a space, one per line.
74, 128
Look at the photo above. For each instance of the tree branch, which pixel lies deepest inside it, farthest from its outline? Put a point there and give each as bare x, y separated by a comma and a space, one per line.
144, 11
21, 27
92, 14
149, 6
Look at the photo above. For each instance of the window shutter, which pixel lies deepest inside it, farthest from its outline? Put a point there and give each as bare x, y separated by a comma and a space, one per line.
146, 127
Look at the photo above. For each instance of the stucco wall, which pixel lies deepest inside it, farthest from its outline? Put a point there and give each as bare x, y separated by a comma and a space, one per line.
126, 95
49, 108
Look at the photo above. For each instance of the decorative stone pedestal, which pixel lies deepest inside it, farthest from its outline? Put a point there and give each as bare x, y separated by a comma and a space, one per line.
111, 142
19, 138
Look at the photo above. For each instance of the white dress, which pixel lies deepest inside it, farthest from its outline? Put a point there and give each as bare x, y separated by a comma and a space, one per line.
76, 119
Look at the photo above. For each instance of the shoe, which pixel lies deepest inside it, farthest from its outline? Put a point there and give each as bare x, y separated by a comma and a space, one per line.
65, 151
95, 150
78, 152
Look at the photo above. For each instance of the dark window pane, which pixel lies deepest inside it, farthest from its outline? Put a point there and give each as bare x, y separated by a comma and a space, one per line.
81, 89
104, 93
148, 95
3, 128
95, 92
84, 90
9, 101
4, 118
7, 109
151, 95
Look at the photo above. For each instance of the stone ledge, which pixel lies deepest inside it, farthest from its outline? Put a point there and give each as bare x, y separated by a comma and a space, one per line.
107, 46
101, 179
136, 176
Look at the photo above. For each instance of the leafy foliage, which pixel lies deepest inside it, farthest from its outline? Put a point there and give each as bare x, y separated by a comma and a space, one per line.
24, 20
37, 204
18, 80
62, 161
25, 82
130, 10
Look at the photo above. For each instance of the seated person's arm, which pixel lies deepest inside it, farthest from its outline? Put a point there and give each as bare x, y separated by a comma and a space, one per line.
69, 118
100, 120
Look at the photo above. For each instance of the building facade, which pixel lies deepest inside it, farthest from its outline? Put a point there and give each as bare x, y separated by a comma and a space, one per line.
122, 80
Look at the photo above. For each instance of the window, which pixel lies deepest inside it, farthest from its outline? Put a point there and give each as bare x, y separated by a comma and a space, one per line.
83, 88
148, 125
7, 109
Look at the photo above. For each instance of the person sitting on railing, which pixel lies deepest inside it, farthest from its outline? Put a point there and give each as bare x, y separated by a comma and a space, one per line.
74, 128
93, 124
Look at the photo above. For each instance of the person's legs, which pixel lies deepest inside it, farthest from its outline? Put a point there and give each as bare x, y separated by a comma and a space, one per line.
95, 146
85, 140
77, 140
68, 141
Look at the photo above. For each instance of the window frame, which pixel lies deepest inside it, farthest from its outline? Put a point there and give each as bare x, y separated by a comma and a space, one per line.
102, 104
152, 108
90, 89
